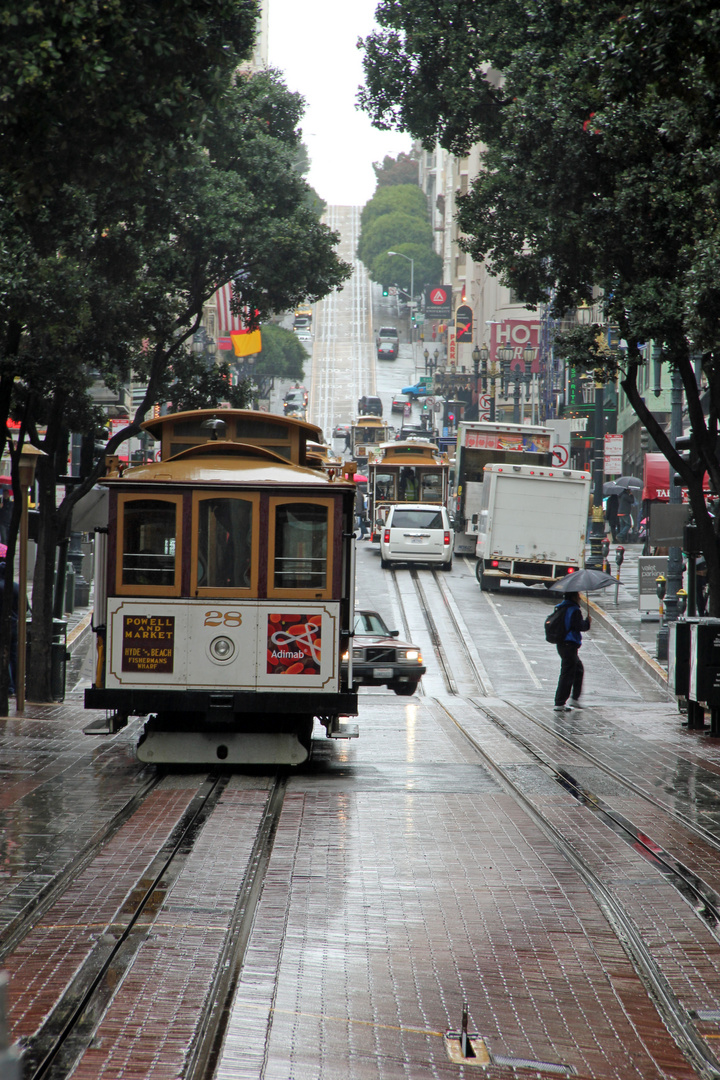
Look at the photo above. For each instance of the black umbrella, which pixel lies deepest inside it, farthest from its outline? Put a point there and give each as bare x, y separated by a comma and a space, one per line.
628, 482
611, 488
585, 580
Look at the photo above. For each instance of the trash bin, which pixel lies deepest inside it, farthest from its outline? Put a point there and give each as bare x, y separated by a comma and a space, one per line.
704, 675
59, 657
679, 668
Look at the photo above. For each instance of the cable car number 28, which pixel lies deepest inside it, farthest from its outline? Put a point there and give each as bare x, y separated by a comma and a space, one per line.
223, 618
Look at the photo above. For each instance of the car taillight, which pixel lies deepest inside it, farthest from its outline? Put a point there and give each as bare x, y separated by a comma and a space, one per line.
446, 538
386, 536
494, 562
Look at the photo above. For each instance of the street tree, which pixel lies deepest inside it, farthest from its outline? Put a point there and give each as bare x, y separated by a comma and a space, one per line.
282, 356
599, 176
395, 199
391, 270
390, 230
127, 291
400, 170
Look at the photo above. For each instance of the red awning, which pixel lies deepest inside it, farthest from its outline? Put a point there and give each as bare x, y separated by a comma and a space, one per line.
656, 479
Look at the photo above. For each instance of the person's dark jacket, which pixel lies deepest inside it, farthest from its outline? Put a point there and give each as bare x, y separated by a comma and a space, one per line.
575, 621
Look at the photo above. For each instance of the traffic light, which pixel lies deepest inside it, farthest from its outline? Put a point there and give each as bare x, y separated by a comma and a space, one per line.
684, 446
385, 290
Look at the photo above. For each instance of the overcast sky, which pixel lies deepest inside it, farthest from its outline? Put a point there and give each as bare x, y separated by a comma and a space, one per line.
313, 43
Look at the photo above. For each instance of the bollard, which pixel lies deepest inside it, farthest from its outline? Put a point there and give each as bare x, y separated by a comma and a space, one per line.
662, 637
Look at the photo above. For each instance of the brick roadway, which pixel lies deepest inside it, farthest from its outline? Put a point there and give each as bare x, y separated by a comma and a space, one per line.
407, 883
403, 881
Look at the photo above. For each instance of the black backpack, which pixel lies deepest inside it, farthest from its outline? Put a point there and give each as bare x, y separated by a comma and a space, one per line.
555, 625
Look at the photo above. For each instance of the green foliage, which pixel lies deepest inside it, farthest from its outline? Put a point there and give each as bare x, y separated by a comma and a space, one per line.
397, 199
139, 173
199, 385
92, 94
282, 355
393, 270
390, 230
400, 170
397, 219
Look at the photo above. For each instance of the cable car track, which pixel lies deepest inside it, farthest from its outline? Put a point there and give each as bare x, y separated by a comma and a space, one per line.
675, 1016
707, 905
18, 927
701, 897
71, 1025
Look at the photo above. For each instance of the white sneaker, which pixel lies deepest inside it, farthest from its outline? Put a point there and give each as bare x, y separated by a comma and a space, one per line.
561, 708
575, 704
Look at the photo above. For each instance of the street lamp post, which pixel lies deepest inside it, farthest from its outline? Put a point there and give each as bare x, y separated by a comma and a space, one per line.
412, 282
675, 560
204, 345
26, 468
598, 519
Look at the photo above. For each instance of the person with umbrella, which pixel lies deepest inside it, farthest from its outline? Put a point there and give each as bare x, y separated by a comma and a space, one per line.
572, 671
611, 513
626, 502
575, 624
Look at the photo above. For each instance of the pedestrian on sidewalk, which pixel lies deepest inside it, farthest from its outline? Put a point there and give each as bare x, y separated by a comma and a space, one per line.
571, 667
611, 513
626, 503
6, 509
361, 513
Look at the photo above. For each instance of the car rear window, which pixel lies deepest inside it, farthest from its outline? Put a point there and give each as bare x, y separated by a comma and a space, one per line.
417, 519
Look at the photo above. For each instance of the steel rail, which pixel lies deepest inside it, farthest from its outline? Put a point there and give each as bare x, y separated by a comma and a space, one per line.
674, 1015
26, 919
74, 1019
205, 1051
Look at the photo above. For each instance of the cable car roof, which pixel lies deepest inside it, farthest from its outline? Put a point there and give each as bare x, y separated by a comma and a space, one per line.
155, 425
222, 463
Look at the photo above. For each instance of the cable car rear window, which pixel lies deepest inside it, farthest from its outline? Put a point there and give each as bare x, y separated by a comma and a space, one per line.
301, 546
417, 519
149, 527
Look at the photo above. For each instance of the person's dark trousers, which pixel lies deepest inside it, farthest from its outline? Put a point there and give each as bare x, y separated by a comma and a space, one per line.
571, 673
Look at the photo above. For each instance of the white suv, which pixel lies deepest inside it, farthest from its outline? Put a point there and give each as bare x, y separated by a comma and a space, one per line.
417, 533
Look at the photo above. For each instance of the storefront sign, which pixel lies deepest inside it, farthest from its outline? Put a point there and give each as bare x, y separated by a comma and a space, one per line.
519, 334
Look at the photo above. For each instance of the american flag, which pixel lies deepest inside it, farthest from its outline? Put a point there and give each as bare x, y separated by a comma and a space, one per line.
227, 322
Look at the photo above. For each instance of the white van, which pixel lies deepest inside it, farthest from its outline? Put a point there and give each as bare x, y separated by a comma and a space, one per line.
417, 533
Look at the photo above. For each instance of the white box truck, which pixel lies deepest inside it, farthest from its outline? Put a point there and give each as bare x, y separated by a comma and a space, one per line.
532, 524
481, 443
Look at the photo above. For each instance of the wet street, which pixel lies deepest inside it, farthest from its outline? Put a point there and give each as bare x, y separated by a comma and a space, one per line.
556, 875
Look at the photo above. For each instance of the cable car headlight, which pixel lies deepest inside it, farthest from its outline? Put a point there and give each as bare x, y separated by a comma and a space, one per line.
222, 649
